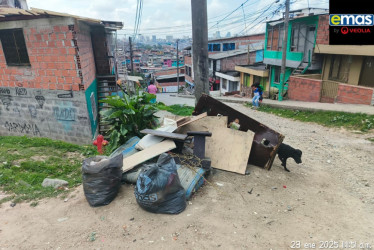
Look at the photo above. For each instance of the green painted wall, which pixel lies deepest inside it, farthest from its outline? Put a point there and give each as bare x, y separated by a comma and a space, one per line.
293, 56
272, 77
92, 106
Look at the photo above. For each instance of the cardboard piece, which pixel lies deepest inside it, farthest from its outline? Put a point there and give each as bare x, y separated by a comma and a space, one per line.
228, 149
147, 154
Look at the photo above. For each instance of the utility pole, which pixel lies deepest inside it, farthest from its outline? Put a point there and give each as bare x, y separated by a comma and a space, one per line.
200, 47
284, 51
131, 56
178, 65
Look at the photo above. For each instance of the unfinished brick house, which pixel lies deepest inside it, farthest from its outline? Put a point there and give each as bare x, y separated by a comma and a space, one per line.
51, 68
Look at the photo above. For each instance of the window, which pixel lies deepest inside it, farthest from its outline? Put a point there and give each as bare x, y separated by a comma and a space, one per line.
228, 46
339, 68
233, 86
247, 81
214, 47
14, 47
276, 72
269, 38
224, 83
275, 37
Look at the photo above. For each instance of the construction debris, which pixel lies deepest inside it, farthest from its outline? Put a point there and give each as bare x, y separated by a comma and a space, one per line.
221, 138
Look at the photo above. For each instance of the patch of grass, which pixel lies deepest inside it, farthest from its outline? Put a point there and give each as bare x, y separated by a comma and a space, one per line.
176, 109
352, 121
25, 162
371, 139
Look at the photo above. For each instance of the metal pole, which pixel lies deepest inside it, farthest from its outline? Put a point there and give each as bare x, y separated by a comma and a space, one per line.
284, 52
178, 65
200, 47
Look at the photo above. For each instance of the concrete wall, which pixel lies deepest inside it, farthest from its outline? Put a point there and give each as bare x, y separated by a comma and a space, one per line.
55, 114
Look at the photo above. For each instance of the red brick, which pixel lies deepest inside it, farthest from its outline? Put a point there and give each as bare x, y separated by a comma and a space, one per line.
75, 87
56, 29
60, 86
67, 86
52, 86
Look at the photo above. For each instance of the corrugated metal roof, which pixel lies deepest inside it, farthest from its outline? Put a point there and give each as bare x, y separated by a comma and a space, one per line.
8, 12
230, 53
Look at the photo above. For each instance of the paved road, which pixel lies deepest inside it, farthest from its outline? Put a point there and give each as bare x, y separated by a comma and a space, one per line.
171, 98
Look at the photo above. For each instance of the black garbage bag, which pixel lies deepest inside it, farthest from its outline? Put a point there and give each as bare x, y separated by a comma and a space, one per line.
158, 188
101, 179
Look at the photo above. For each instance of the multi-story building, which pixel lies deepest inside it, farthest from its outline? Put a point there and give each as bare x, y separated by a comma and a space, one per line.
346, 76
301, 40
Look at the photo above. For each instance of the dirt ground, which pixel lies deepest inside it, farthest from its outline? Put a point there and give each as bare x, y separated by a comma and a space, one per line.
328, 200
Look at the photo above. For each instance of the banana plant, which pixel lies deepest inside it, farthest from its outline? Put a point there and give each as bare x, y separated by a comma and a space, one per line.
127, 116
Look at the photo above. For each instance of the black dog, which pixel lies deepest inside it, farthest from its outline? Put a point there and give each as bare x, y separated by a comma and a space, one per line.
286, 151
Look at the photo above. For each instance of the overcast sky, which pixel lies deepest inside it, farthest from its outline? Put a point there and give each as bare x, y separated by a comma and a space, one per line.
173, 17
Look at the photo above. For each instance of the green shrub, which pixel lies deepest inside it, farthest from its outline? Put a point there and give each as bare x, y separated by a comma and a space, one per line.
128, 115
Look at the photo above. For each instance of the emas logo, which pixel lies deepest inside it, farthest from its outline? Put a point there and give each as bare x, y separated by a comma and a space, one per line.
351, 20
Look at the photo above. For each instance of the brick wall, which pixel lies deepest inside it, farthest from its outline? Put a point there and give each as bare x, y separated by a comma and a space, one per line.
323, 30
188, 60
84, 54
169, 71
229, 63
304, 89
101, 51
51, 56
44, 99
354, 94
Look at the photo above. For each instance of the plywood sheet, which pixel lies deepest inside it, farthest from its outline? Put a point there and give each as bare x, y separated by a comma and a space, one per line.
207, 123
229, 149
147, 154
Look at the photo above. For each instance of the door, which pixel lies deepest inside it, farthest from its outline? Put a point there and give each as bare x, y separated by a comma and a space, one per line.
367, 72
309, 42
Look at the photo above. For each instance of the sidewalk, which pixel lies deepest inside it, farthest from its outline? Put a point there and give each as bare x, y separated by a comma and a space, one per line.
290, 104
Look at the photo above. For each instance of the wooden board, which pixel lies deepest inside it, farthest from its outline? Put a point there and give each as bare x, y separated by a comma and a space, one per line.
228, 149
168, 135
193, 119
206, 123
147, 154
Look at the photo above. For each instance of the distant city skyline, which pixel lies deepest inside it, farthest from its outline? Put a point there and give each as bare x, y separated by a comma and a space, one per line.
173, 17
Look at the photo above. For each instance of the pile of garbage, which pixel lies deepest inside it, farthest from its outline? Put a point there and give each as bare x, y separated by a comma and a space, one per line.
169, 164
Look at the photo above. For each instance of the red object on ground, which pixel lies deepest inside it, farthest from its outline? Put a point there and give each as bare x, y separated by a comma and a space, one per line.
284, 186
100, 142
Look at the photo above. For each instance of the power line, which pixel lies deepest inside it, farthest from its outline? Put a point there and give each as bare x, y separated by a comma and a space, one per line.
229, 14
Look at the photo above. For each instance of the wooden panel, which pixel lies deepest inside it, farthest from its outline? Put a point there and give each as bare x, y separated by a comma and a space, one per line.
192, 119
329, 89
147, 154
173, 136
228, 149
